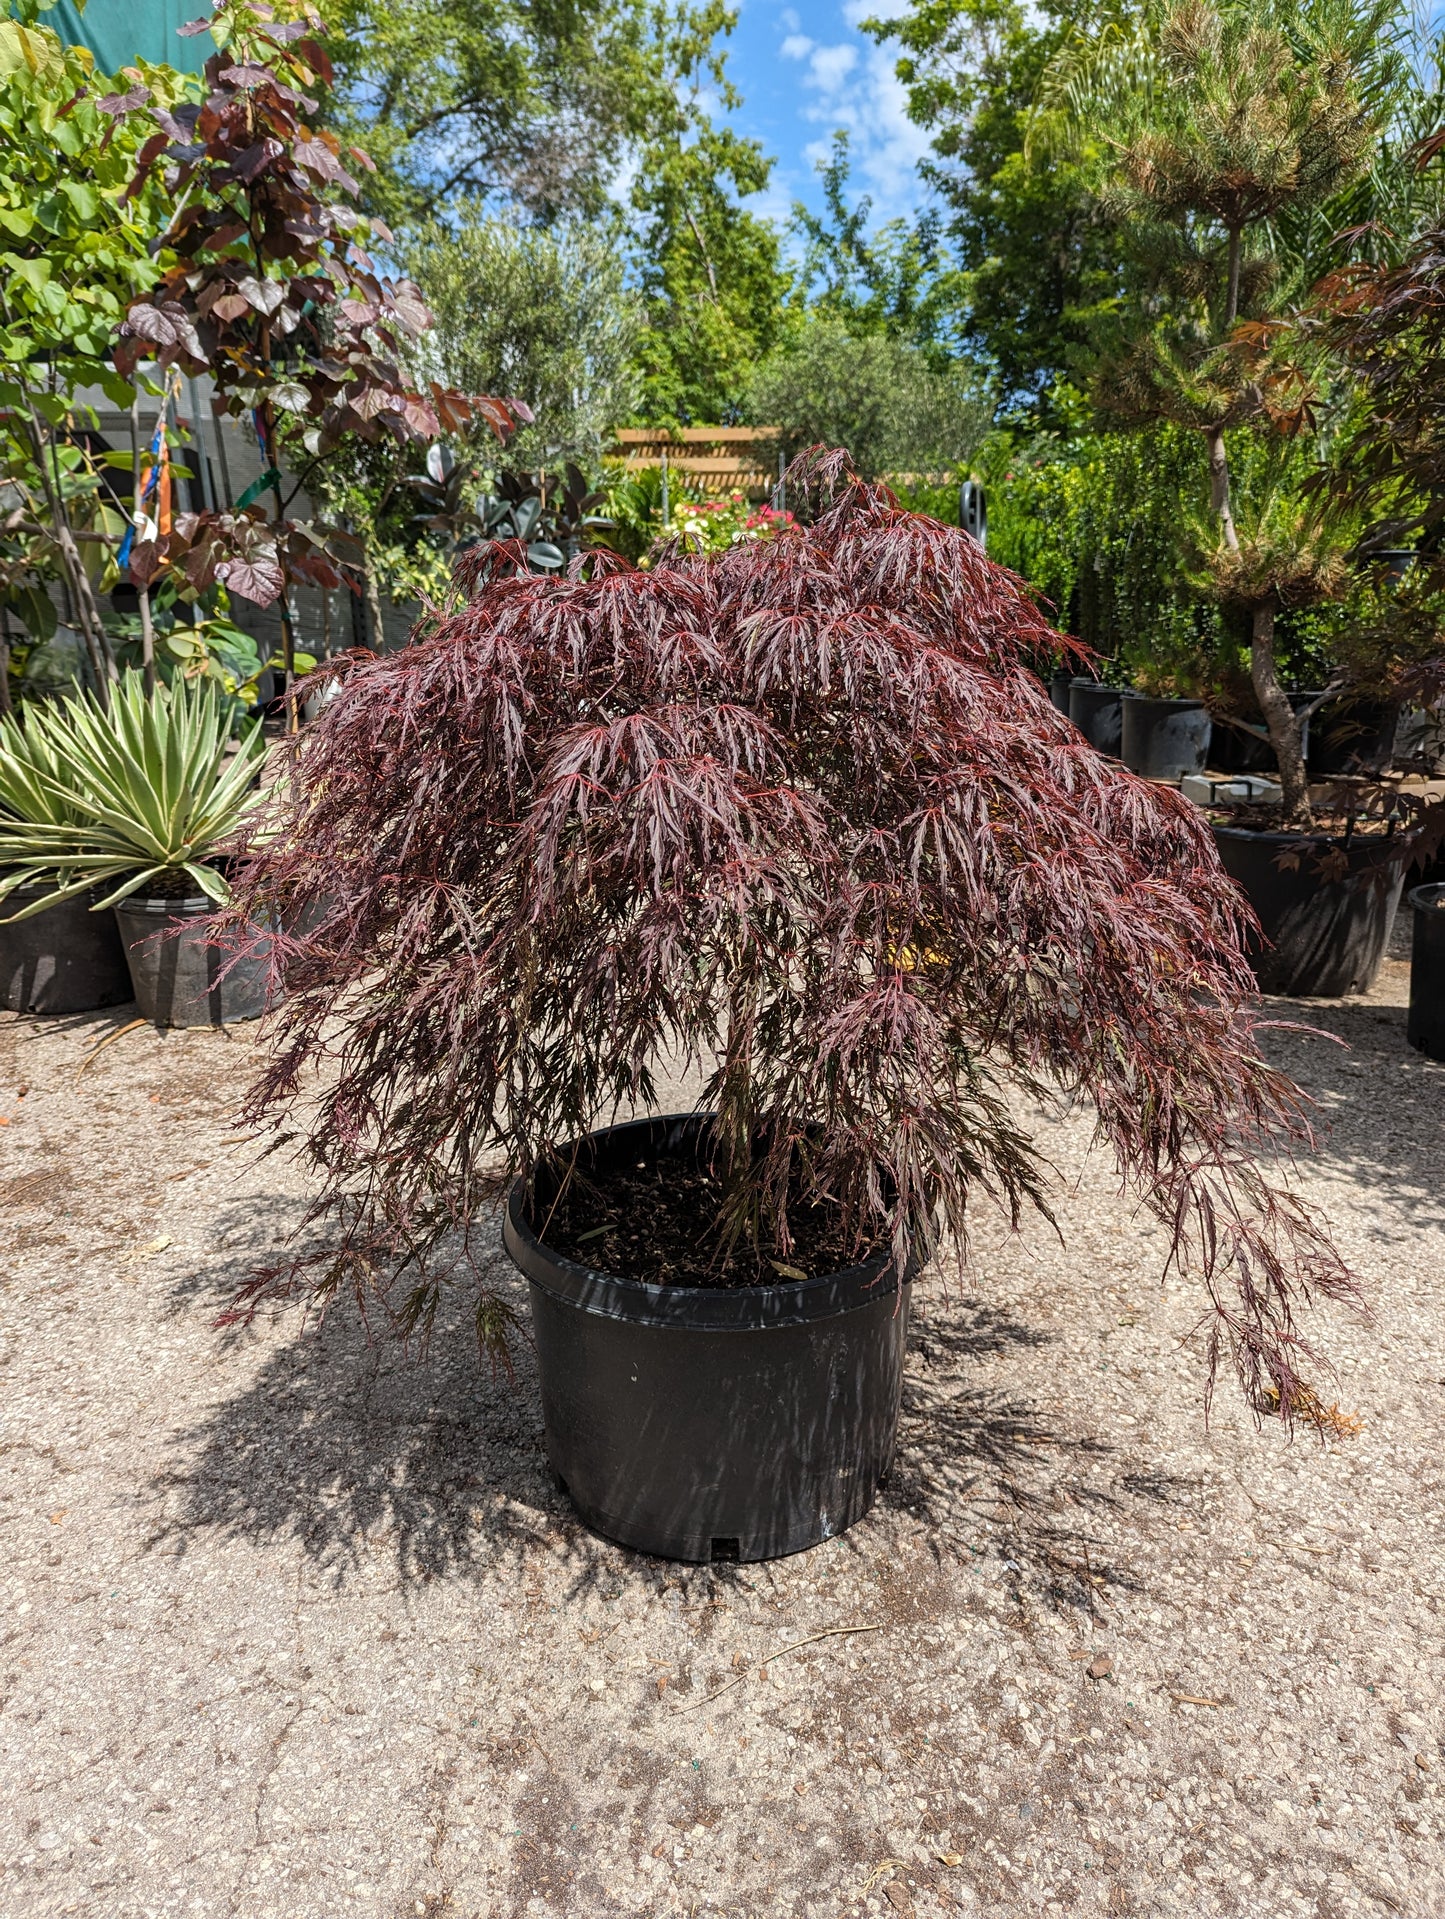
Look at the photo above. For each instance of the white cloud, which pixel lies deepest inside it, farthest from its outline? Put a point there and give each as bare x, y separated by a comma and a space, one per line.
852, 87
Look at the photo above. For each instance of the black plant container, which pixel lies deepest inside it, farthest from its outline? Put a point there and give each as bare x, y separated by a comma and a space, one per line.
64, 960
1425, 1026
1164, 739
181, 977
1098, 713
710, 1423
1059, 691
1324, 937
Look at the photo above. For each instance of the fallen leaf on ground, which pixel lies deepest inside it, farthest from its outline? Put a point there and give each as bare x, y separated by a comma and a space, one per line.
800, 1787
157, 1245
884, 1865
1422, 1762
662, 1679
949, 1858
1100, 1666
55, 1519
657, 1851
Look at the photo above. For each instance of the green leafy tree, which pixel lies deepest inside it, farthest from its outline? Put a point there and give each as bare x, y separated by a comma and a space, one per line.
709, 268
523, 102
542, 312
890, 279
1032, 257
877, 396
75, 250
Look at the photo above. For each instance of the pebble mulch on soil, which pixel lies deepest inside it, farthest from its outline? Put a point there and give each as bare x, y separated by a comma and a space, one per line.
293, 1626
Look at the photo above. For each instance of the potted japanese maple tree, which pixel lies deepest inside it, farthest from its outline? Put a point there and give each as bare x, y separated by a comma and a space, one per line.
800, 818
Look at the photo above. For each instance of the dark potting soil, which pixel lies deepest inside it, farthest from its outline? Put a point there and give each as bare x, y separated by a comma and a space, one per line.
656, 1221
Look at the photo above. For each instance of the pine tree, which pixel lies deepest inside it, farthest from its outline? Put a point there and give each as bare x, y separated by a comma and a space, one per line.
1224, 120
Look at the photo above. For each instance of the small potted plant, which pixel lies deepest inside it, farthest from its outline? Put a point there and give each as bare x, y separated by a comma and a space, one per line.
129, 806
797, 816
56, 954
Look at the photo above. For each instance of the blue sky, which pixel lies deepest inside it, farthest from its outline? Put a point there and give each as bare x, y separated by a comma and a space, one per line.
803, 70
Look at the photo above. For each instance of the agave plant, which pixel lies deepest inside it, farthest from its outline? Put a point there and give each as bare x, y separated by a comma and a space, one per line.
124, 797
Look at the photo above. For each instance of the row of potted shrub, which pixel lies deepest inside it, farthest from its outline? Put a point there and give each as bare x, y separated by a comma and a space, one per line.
112, 814
1168, 739
1325, 892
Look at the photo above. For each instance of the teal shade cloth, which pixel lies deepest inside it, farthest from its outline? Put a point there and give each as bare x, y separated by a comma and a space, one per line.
120, 32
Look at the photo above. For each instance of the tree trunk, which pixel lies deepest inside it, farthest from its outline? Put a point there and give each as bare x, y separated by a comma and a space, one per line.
1286, 733
77, 580
1231, 305
373, 609
1219, 484
147, 641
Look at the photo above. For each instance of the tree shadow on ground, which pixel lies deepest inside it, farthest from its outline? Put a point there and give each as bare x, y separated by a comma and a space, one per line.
352, 1447
990, 1477
1380, 1114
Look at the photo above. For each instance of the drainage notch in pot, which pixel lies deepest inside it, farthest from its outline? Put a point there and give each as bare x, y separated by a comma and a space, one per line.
696, 1422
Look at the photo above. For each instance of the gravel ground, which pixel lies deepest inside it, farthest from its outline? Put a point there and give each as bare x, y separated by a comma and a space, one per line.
296, 1626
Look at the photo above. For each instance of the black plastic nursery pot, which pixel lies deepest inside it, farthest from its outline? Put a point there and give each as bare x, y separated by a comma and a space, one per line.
1059, 691
1164, 739
1098, 713
64, 960
1325, 937
180, 976
710, 1423
1425, 1024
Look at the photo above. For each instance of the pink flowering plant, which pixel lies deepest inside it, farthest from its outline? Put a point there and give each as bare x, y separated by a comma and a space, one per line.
711, 526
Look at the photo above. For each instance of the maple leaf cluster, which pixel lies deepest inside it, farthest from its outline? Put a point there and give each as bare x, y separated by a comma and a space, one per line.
272, 291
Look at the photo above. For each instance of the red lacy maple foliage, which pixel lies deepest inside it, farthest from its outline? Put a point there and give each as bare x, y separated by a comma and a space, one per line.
801, 815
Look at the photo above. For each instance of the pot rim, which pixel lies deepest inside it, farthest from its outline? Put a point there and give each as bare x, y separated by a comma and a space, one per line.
1162, 699
1429, 898
1269, 836
793, 1302
187, 906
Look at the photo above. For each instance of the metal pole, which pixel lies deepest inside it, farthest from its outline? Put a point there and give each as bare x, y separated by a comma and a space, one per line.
665, 515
